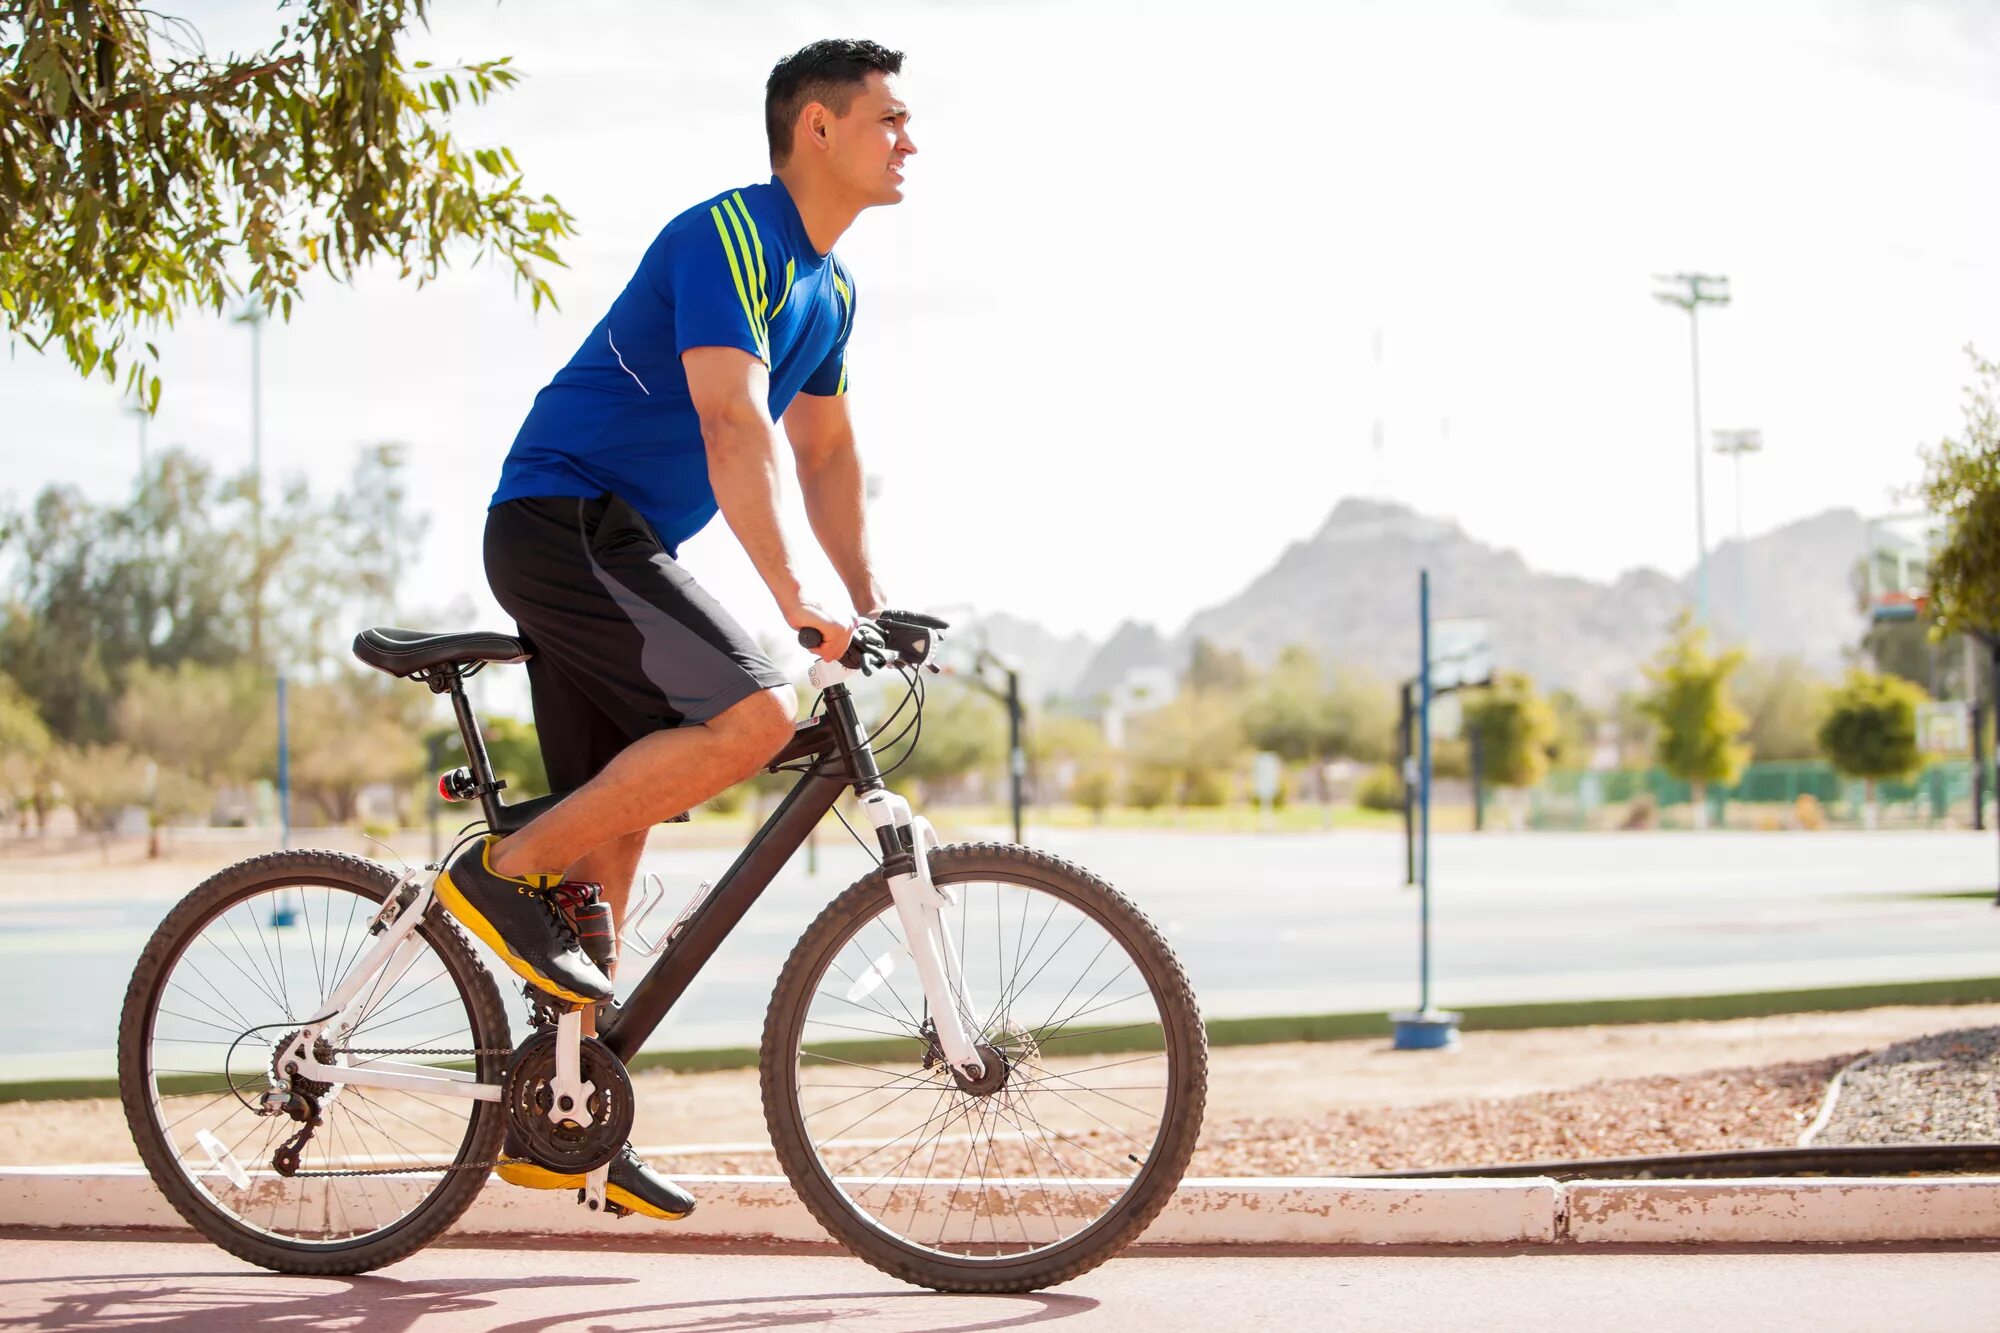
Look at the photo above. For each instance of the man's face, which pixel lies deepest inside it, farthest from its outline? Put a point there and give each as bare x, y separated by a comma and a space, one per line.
868, 145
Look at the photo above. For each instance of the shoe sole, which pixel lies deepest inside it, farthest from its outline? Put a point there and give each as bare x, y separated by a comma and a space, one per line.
455, 902
530, 1176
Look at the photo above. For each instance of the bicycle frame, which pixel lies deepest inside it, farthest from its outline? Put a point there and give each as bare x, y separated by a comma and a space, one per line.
837, 746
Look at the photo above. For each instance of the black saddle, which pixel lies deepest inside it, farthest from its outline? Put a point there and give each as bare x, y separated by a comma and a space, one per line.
403, 652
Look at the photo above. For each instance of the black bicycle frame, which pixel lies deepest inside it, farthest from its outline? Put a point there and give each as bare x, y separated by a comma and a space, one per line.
837, 746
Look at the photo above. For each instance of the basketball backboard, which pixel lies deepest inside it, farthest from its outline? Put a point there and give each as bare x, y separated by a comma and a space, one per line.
1461, 653
1897, 564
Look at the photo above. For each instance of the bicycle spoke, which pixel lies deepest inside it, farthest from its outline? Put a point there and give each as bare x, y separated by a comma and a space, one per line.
1026, 1162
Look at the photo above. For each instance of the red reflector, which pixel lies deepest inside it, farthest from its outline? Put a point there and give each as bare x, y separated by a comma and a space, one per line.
444, 787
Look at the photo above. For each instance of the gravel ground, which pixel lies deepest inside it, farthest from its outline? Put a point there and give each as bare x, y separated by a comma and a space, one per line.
1762, 1107
1944, 1088
1333, 1107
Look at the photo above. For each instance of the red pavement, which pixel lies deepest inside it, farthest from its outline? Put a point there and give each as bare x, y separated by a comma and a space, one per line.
111, 1281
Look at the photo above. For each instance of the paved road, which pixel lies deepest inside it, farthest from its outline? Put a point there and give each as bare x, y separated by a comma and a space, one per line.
1287, 924
105, 1283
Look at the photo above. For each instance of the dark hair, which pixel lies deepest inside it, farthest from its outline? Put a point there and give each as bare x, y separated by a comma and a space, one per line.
829, 72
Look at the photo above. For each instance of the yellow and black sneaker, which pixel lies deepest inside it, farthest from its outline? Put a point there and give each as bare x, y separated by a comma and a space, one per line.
519, 921
630, 1185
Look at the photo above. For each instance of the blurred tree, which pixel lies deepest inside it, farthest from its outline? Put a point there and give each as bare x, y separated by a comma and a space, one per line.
97, 591
1095, 786
1305, 714
1211, 667
98, 782
214, 724
513, 747
964, 731
1576, 730
1188, 749
146, 178
350, 732
1870, 730
25, 747
1962, 486
1517, 730
1698, 726
1786, 701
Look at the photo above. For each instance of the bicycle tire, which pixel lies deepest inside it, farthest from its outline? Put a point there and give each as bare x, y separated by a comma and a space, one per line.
488, 1019
1185, 1040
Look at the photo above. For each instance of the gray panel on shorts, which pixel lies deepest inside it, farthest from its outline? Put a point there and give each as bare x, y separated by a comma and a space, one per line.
697, 679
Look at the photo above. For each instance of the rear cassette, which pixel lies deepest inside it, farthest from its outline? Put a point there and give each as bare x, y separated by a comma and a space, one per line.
563, 1144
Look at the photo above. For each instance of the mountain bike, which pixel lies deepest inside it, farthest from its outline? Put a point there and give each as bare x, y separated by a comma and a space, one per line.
982, 1068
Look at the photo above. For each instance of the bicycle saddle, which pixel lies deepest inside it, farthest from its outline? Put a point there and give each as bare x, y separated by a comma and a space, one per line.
402, 651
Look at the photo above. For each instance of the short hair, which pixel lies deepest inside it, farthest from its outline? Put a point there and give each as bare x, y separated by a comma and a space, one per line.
829, 72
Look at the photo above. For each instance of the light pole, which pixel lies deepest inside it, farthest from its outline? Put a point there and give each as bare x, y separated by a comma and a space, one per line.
253, 315
1690, 292
1734, 444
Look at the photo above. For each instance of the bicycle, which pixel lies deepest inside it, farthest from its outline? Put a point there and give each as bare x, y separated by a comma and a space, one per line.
318, 1071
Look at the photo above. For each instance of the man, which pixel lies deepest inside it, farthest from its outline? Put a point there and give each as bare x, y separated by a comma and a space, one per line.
648, 696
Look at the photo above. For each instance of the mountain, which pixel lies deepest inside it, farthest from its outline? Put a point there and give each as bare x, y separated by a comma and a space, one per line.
1050, 664
1349, 591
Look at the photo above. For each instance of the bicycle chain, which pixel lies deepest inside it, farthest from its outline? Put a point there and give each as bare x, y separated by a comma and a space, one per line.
406, 1170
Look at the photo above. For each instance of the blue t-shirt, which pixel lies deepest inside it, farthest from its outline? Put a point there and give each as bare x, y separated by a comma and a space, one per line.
737, 270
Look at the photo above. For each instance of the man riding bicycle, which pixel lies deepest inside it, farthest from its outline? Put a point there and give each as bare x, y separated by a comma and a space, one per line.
648, 696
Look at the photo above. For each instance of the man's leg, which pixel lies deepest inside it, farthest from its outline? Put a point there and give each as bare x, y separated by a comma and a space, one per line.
654, 778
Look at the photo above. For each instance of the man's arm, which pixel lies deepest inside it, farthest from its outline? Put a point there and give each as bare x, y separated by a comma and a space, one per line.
730, 389
830, 479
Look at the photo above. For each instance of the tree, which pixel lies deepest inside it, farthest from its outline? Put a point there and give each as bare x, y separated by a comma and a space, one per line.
1577, 725
1185, 751
1517, 731
1870, 730
1303, 713
1962, 486
141, 178
1698, 726
1786, 701
964, 730
215, 724
1212, 667
25, 745
98, 591
351, 732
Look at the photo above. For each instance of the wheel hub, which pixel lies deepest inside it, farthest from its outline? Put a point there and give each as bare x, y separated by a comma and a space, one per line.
993, 1071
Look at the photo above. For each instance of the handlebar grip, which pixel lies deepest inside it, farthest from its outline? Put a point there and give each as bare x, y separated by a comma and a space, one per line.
810, 638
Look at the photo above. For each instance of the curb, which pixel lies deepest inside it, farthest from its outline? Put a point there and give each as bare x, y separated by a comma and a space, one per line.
1222, 1211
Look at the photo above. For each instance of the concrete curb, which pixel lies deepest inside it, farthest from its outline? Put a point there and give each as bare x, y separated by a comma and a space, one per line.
1224, 1211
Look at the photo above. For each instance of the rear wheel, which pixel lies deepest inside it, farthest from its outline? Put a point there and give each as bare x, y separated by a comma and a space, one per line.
228, 977
1079, 1130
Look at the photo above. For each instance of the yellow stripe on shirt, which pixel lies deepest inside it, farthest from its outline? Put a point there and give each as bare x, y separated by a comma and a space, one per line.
790, 265
759, 279
742, 293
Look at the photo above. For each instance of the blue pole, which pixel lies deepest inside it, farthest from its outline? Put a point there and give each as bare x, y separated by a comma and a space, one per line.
284, 772
1424, 788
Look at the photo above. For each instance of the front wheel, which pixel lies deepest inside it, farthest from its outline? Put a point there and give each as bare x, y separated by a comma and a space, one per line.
1075, 1137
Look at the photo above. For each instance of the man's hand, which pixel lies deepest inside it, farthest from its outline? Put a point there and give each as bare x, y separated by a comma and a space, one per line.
834, 635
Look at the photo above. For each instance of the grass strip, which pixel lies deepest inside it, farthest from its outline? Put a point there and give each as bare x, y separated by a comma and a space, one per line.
1305, 1027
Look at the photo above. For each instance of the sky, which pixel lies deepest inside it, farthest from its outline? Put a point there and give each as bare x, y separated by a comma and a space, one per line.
1171, 280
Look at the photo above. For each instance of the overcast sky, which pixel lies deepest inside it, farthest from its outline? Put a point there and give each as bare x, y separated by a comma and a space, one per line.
1119, 345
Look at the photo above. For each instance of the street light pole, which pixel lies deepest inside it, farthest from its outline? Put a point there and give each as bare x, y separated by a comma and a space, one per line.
253, 315
1690, 292
1734, 444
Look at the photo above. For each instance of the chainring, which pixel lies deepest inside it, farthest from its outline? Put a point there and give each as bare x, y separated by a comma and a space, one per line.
567, 1147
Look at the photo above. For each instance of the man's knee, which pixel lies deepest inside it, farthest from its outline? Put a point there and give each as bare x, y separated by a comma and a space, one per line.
763, 723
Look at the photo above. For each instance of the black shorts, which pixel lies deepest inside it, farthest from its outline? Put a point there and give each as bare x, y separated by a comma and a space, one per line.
625, 643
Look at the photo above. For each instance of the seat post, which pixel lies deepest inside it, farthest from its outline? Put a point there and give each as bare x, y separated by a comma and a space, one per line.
448, 680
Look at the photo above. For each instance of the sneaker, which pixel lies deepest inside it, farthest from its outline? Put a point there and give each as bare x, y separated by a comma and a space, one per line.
630, 1185
520, 923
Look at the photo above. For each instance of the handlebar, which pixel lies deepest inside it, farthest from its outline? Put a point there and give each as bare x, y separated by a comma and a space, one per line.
906, 638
